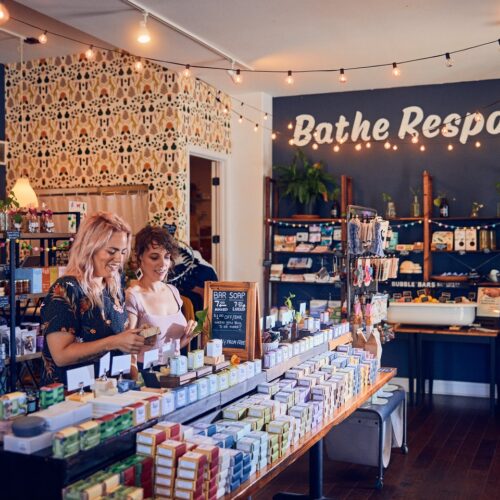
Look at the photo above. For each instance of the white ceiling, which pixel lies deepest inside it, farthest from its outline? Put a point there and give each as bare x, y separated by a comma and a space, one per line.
284, 34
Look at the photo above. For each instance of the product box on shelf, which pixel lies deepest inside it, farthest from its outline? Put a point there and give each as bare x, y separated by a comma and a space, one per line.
33, 275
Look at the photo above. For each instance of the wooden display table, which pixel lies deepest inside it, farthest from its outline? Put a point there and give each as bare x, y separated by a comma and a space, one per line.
431, 334
312, 442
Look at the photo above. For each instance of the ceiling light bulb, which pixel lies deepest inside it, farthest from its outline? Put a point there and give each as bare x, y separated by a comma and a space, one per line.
240, 119
256, 127
422, 148
414, 139
4, 13
238, 78
43, 38
387, 145
290, 142
138, 66
450, 147
315, 146
395, 70
273, 136
342, 77
89, 53
187, 71
449, 62
478, 144
336, 148
395, 147
289, 78
290, 126
357, 147
368, 145
143, 35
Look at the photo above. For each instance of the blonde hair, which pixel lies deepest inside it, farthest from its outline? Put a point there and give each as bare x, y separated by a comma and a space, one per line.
93, 235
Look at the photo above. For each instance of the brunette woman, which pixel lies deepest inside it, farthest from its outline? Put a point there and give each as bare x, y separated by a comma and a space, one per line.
151, 301
84, 316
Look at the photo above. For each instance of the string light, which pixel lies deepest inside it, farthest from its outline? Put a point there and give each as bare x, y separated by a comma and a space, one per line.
342, 77
256, 127
422, 148
290, 126
336, 148
273, 136
143, 35
357, 147
225, 110
290, 142
387, 145
444, 130
449, 62
238, 78
138, 66
368, 145
414, 139
478, 144
478, 116
265, 116
4, 14
42, 38
315, 146
395, 147
187, 71
89, 53
289, 78
395, 70
450, 147
240, 119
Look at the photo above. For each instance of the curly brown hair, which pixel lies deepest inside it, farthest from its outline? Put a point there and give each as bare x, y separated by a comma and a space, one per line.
155, 236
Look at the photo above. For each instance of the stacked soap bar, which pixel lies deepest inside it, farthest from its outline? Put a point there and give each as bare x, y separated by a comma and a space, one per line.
51, 394
12, 405
166, 461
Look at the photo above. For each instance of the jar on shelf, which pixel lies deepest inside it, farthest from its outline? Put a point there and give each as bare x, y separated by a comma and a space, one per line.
4, 221
48, 225
390, 210
33, 221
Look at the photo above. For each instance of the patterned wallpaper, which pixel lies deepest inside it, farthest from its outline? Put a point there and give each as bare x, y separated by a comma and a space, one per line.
75, 123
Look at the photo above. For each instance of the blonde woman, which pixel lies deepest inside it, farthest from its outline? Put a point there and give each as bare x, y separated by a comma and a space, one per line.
83, 315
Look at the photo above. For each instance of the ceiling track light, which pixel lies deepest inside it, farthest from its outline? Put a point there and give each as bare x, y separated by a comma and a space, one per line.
342, 77
4, 14
289, 78
143, 36
42, 38
449, 62
395, 70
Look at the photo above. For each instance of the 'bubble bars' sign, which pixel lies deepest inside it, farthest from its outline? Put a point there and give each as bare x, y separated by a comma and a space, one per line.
413, 122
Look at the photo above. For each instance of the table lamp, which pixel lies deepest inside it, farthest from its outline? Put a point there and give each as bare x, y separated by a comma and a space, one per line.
24, 193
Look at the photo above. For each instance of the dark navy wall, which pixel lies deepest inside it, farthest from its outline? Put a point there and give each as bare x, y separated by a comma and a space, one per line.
467, 173
2, 125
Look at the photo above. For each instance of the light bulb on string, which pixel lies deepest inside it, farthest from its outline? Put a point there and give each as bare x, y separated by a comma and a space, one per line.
240, 119
444, 130
291, 142
342, 76
387, 145
395, 70
477, 144
89, 53
414, 139
256, 127
138, 66
449, 61
42, 38
143, 36
289, 78
395, 147
187, 71
273, 136
266, 116
368, 145
450, 147
290, 126
237, 77
4, 14
357, 147
336, 148
422, 148
315, 146
478, 116
225, 110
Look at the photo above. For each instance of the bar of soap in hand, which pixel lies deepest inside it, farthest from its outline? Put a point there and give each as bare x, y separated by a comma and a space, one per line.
149, 332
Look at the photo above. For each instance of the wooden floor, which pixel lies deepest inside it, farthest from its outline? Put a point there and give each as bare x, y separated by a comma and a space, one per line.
454, 453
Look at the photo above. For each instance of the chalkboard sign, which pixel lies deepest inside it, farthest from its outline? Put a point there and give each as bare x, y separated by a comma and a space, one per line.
233, 316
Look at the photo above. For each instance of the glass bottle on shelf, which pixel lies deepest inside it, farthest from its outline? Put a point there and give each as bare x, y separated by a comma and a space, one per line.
415, 207
335, 210
444, 210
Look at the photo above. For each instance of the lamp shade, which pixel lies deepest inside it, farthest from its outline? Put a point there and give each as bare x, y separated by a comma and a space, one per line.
24, 193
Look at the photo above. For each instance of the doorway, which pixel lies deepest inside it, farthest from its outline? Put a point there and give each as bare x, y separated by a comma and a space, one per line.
204, 208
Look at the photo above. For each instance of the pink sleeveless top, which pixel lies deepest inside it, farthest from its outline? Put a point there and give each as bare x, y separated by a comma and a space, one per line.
171, 326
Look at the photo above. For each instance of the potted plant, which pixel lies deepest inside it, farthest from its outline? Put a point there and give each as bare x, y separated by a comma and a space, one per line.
476, 206
415, 205
6, 206
390, 209
304, 181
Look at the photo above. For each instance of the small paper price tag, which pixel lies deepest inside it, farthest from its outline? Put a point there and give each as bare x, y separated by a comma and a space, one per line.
80, 377
420, 292
121, 364
104, 364
151, 358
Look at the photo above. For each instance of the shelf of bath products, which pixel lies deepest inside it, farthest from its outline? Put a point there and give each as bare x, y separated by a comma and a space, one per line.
337, 284
25, 357
258, 480
4, 300
84, 463
37, 236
